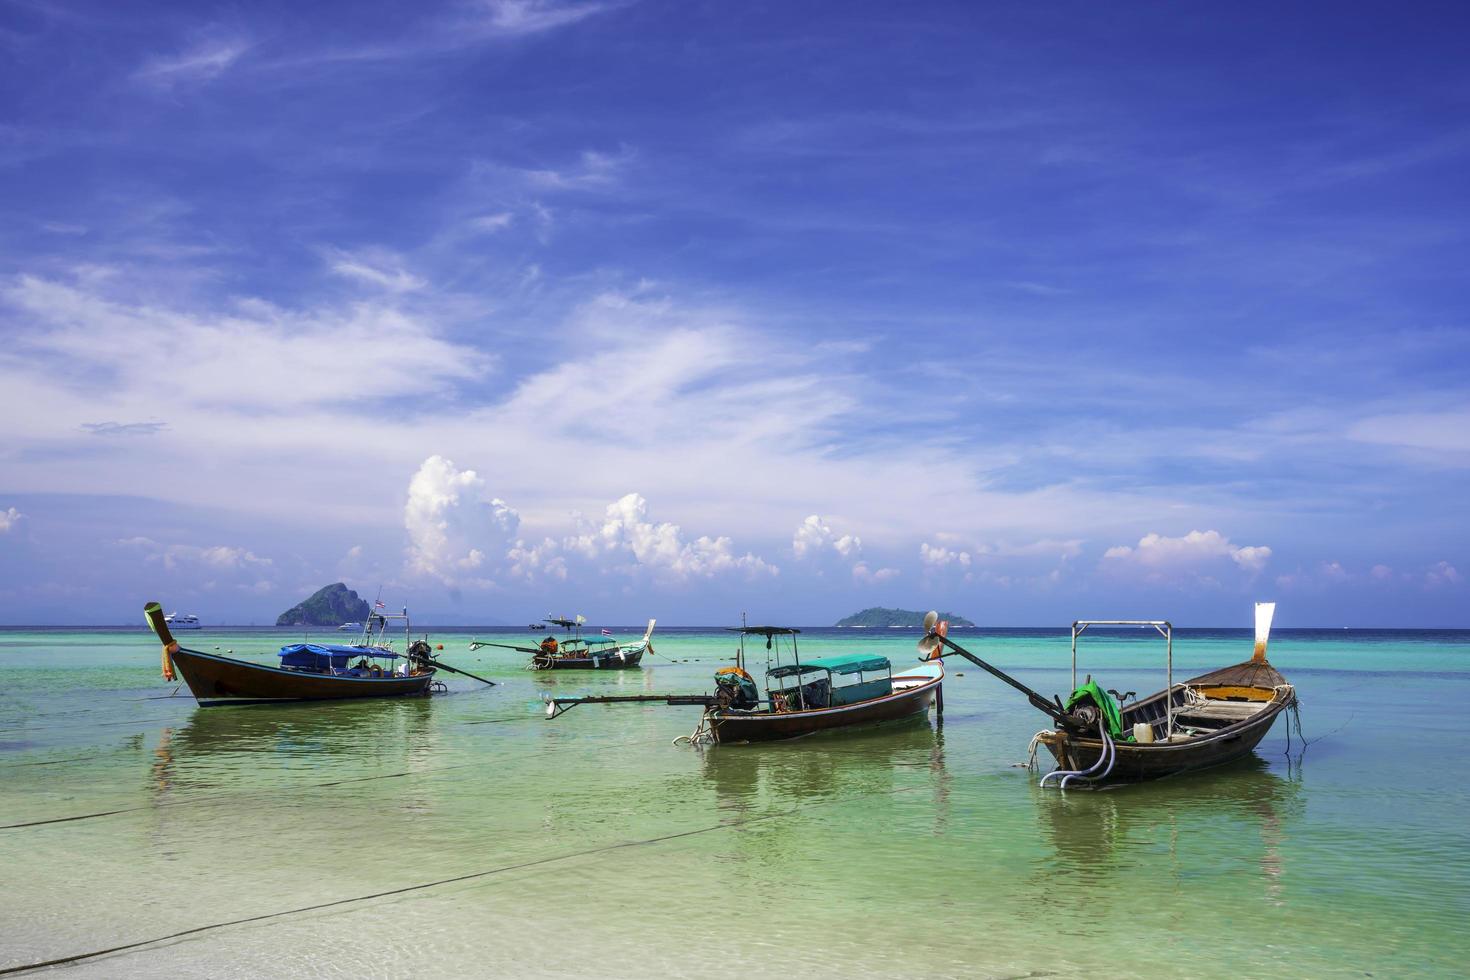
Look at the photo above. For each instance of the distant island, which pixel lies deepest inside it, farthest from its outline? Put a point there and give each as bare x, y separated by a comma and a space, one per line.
878, 616
330, 606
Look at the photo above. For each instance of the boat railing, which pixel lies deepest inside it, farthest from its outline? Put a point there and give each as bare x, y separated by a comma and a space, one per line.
1164, 628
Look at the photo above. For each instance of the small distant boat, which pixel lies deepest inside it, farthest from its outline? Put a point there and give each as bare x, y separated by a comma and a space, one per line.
177, 622
536, 626
350, 628
308, 671
801, 698
1205, 721
577, 652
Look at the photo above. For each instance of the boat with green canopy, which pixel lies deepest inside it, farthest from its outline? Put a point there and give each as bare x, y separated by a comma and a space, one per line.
577, 652
801, 697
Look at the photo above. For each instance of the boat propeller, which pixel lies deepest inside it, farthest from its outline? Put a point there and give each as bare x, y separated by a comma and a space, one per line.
934, 634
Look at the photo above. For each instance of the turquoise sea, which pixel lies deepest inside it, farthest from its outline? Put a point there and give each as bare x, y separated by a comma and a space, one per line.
465, 834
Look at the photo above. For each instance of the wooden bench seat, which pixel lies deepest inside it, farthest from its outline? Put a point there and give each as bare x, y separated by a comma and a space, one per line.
1220, 710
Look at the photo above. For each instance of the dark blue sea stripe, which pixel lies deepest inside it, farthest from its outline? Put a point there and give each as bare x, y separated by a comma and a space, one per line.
406, 889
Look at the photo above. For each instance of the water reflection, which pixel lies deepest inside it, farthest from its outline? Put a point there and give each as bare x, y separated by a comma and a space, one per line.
746, 778
1177, 829
225, 748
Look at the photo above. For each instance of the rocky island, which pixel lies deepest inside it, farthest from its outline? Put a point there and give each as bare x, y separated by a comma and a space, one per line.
330, 606
879, 616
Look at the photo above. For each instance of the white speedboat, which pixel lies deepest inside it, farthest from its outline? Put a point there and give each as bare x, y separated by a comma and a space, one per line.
177, 622
350, 628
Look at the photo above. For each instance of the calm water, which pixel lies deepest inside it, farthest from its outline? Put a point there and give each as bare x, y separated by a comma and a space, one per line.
592, 845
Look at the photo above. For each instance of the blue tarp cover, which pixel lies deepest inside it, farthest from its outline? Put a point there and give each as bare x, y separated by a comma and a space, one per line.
320, 654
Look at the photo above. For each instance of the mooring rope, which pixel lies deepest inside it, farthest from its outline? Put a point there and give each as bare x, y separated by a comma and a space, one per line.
421, 886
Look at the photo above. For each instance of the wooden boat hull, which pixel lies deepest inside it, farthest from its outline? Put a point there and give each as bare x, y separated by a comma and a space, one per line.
741, 726
614, 662
1137, 762
216, 680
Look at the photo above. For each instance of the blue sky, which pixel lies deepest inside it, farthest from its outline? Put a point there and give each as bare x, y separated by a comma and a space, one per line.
683, 310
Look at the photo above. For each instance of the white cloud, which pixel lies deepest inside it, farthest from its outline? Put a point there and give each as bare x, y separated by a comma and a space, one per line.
259, 357
819, 549
492, 222
517, 18
626, 533
814, 539
375, 267
1158, 553
1446, 432
938, 556
196, 559
592, 170
457, 532
9, 518
863, 574
202, 62
1442, 574
1381, 573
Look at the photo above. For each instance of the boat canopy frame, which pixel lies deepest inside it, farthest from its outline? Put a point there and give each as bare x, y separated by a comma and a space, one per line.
1164, 629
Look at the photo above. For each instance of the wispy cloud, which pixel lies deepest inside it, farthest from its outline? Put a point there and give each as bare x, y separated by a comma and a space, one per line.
201, 62
518, 18
124, 428
376, 267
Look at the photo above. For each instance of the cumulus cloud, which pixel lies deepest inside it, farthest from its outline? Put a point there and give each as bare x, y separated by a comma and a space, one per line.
820, 549
1442, 574
935, 557
626, 532
815, 538
457, 532
869, 576
9, 518
215, 561
1157, 553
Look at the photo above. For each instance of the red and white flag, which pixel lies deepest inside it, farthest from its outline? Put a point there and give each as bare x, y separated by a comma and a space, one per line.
607, 632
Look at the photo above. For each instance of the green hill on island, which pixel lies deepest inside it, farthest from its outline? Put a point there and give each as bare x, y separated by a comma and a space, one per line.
879, 616
330, 606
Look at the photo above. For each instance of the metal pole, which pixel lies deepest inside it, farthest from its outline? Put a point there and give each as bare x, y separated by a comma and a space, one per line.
1074, 656
1169, 679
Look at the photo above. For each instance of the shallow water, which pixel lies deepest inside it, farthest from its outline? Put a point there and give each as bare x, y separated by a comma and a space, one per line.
591, 844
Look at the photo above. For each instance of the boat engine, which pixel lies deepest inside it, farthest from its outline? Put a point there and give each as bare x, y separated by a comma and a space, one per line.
735, 689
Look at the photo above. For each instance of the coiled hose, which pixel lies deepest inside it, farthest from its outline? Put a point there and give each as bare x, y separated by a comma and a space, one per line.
1104, 761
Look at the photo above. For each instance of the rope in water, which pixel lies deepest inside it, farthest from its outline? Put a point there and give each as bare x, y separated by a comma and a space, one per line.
421, 886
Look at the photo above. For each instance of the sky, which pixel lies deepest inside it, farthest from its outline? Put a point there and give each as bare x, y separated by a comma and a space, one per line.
502, 308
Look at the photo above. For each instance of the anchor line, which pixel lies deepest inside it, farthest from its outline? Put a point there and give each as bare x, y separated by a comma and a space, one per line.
422, 886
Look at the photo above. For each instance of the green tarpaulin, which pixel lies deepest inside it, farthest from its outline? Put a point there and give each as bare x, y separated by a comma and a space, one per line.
1104, 702
850, 664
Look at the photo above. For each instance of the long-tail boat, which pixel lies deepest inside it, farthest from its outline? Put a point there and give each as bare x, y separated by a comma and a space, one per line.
1205, 721
801, 697
577, 652
308, 671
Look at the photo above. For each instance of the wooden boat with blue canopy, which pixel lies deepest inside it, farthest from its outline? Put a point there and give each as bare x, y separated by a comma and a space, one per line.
801, 697
307, 671
1101, 738
577, 652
